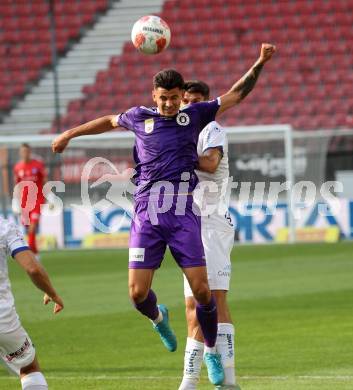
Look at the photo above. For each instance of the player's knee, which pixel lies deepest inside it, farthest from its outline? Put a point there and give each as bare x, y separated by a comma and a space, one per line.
202, 293
137, 293
30, 368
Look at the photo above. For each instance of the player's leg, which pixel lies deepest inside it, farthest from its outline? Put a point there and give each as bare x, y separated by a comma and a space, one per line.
206, 313
18, 353
186, 246
225, 339
146, 251
32, 378
194, 344
206, 310
218, 242
145, 301
143, 298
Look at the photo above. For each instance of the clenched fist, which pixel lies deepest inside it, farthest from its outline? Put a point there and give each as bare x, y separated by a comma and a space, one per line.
59, 143
267, 51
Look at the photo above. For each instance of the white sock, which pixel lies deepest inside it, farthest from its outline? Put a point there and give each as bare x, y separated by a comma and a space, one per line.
192, 364
225, 347
210, 349
159, 318
34, 381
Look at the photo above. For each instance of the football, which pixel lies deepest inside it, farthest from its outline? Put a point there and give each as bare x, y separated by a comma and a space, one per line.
150, 34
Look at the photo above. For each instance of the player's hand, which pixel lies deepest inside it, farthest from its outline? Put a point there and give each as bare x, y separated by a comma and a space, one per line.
59, 304
267, 51
59, 143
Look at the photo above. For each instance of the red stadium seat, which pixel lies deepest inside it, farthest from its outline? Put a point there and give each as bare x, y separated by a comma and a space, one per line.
313, 61
25, 40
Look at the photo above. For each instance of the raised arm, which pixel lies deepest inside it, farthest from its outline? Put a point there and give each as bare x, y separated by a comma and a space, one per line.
244, 86
97, 126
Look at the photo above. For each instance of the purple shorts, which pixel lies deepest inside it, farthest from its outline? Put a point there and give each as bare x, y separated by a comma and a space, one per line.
148, 242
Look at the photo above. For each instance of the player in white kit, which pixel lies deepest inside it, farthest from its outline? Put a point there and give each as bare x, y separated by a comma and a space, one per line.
218, 239
16, 348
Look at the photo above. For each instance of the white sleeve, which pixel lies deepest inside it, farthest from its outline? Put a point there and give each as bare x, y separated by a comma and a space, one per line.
214, 136
15, 240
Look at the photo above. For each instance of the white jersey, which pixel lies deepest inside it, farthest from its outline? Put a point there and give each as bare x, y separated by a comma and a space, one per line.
213, 136
217, 229
11, 242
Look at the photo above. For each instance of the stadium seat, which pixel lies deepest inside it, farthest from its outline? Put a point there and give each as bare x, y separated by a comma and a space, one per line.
313, 61
25, 36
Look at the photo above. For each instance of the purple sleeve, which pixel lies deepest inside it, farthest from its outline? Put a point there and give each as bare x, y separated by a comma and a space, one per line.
127, 119
208, 111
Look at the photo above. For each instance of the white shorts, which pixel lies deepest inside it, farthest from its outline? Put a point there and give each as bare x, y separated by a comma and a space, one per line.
16, 349
218, 240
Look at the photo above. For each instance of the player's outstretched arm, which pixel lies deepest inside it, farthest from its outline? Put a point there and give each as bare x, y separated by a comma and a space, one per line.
39, 278
97, 126
244, 86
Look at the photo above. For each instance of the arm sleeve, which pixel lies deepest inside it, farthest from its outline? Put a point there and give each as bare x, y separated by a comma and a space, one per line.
214, 136
127, 119
15, 240
208, 111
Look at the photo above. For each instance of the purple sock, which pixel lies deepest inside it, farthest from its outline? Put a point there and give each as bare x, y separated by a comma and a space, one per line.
149, 306
207, 317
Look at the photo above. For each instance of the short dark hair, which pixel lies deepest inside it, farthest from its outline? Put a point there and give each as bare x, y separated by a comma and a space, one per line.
197, 86
168, 79
25, 145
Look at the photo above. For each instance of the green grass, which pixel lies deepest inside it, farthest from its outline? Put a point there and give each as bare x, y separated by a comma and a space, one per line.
292, 306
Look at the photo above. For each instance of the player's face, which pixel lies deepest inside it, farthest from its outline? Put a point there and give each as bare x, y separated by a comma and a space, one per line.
168, 101
192, 97
25, 153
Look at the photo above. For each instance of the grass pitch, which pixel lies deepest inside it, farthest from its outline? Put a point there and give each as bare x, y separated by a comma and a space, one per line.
292, 306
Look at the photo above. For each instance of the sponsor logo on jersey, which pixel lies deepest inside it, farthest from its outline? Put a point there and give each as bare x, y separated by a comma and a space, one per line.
149, 125
137, 254
183, 119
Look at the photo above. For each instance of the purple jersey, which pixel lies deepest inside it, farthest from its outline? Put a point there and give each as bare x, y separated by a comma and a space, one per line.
166, 147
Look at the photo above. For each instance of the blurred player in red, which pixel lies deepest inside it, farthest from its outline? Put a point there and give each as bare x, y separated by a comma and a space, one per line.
29, 198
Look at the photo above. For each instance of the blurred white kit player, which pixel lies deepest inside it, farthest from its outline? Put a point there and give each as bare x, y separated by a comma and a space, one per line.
217, 225
16, 348
217, 231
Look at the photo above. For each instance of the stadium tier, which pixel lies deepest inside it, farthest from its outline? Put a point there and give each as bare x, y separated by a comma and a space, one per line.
313, 62
25, 40
307, 86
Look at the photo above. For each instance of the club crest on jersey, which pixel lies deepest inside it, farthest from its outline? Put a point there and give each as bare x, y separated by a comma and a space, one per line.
149, 125
183, 119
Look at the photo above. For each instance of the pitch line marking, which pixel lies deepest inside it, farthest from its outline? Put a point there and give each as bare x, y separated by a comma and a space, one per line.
245, 377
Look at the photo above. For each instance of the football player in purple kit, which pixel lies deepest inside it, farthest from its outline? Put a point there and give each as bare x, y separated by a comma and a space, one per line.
165, 153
